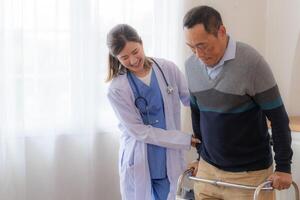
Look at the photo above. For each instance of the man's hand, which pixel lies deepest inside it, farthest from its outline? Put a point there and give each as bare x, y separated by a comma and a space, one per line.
195, 141
194, 166
280, 180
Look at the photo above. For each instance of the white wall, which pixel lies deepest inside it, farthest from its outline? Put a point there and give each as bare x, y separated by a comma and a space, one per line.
283, 49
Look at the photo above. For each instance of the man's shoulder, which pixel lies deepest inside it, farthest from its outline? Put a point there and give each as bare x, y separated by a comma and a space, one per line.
246, 50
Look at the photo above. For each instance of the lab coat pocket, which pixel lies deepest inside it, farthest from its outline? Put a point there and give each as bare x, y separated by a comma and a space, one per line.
127, 158
129, 181
129, 168
131, 159
121, 159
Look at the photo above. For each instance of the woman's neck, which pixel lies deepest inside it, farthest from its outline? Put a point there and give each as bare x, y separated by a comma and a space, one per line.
142, 73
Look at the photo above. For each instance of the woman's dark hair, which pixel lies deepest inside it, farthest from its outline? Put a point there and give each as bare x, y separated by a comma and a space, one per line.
208, 16
116, 41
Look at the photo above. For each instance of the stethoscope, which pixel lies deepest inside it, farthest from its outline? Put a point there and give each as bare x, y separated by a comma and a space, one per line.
140, 102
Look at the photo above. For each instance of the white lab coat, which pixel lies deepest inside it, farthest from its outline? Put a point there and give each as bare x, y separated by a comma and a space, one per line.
134, 173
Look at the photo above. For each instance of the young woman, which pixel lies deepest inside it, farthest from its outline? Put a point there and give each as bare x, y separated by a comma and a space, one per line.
145, 94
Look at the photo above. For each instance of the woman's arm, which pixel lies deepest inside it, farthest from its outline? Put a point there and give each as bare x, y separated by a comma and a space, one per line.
133, 124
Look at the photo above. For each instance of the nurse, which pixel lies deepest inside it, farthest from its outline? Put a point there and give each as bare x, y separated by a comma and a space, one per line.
145, 94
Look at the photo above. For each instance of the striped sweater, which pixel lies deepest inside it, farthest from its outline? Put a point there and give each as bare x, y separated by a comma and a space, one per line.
229, 114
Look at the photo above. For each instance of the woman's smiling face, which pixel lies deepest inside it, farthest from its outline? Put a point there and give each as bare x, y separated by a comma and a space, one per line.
132, 57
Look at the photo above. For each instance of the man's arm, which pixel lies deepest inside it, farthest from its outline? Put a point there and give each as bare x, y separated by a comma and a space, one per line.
281, 134
195, 115
267, 96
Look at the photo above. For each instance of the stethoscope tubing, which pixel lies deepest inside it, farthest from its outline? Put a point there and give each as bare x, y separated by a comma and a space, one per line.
161, 72
140, 97
169, 88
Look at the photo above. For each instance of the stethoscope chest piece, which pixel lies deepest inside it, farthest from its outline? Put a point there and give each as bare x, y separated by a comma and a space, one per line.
170, 89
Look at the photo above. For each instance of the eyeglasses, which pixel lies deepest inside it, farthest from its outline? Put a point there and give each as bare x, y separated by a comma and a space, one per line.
203, 48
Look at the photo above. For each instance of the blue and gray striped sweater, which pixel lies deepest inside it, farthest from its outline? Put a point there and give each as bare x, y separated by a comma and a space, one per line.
229, 114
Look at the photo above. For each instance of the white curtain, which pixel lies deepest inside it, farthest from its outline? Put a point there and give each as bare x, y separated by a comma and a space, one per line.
58, 136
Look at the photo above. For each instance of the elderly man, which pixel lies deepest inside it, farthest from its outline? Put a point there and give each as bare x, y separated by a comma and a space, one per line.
233, 93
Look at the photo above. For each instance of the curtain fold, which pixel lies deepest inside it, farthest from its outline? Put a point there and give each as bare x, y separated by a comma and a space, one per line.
58, 134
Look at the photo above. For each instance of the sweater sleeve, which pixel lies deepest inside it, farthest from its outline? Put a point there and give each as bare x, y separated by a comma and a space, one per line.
195, 115
267, 96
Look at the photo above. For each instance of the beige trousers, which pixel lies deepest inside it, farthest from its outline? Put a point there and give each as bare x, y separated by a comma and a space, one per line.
205, 191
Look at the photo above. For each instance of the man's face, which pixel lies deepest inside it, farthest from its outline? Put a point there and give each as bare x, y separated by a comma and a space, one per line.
206, 46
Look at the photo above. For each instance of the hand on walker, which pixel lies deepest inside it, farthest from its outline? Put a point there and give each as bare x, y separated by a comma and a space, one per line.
194, 166
195, 141
280, 180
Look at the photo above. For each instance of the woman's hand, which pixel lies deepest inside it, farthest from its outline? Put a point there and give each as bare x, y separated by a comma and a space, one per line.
195, 141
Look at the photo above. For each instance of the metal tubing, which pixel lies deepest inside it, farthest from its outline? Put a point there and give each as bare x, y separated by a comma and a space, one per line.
263, 186
187, 172
258, 189
221, 183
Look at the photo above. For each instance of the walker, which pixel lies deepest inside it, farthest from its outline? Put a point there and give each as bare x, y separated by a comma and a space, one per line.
180, 195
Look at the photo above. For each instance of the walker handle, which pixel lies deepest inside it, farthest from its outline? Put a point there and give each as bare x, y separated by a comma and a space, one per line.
263, 186
186, 173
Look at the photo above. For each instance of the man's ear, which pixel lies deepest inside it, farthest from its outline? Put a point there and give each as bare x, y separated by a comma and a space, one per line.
222, 31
